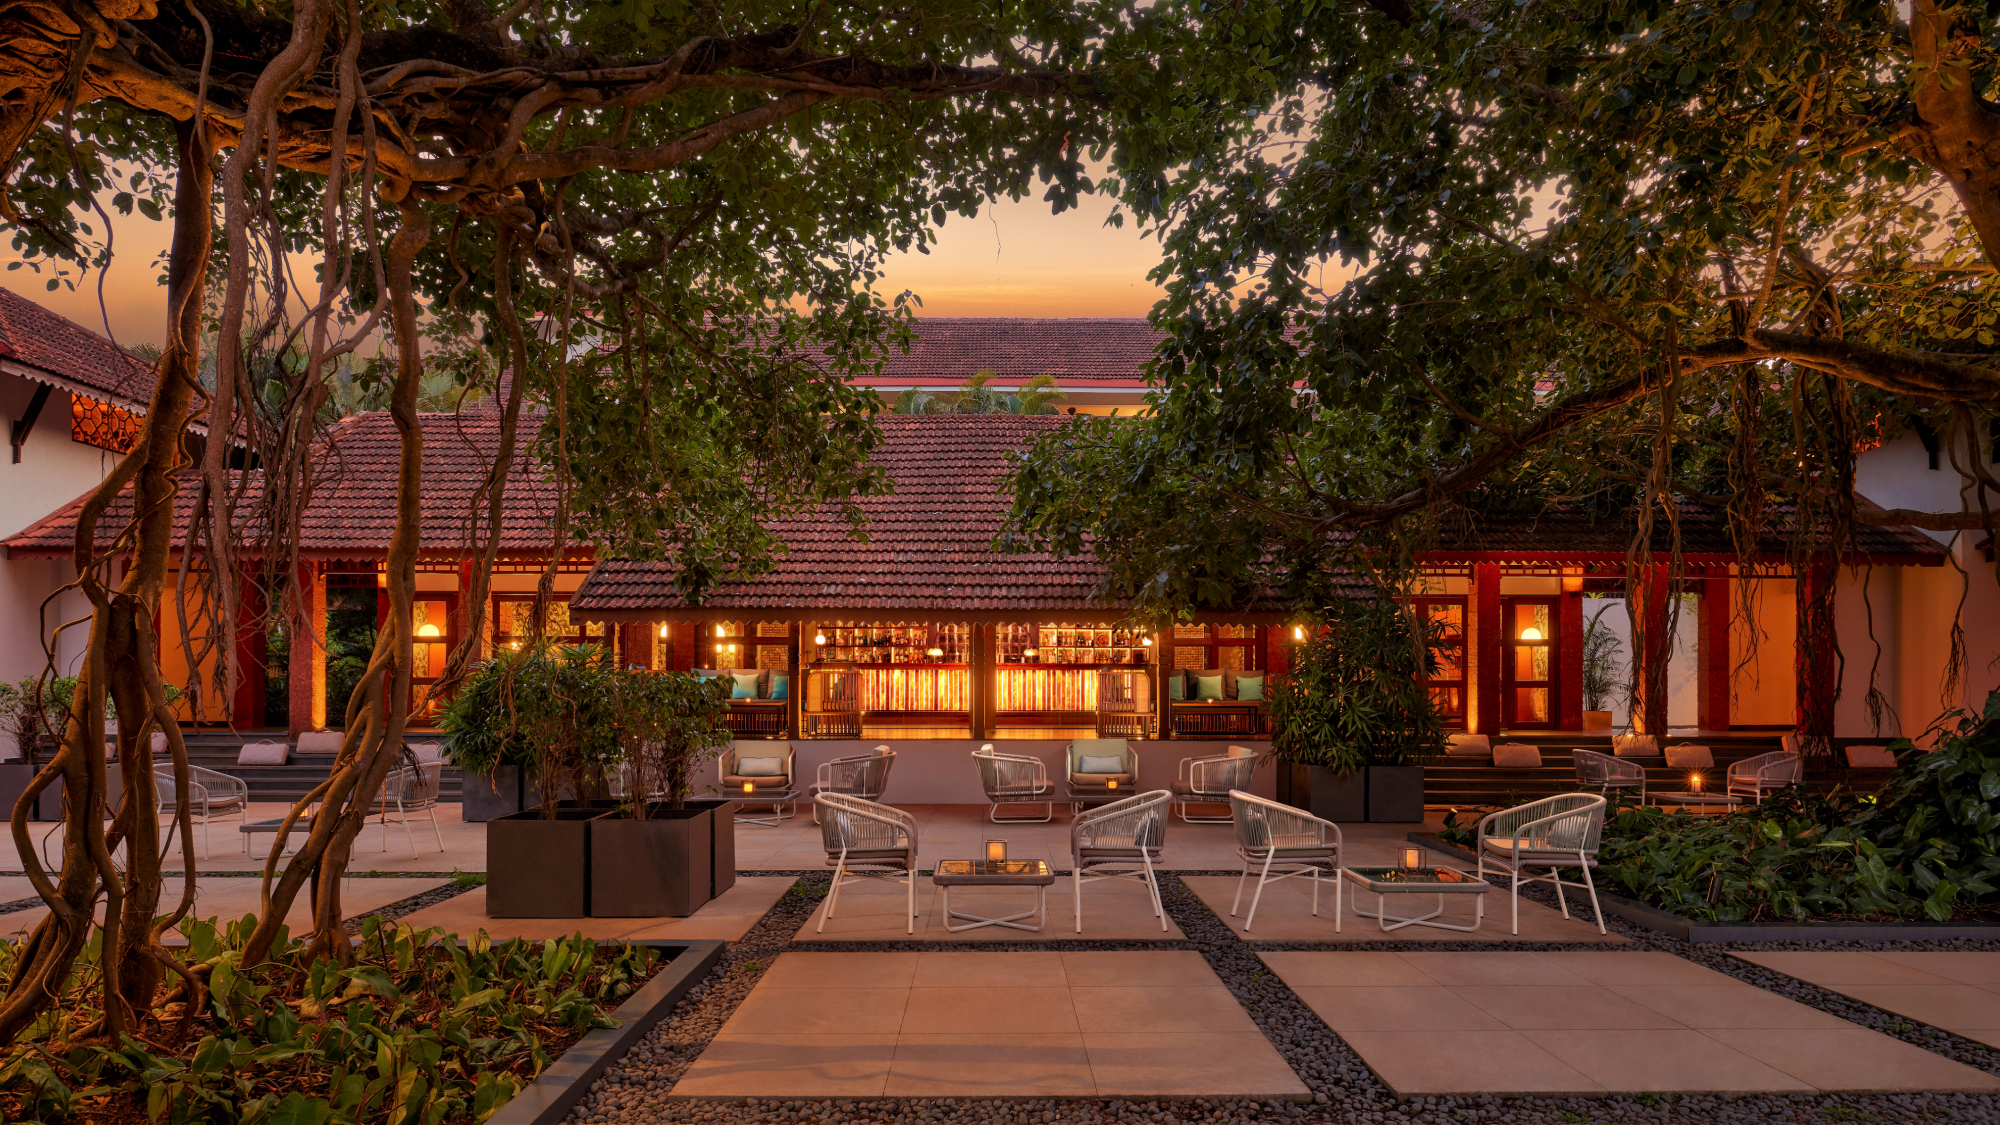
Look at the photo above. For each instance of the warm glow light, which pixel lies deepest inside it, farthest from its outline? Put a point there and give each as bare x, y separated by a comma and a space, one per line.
996, 851
515, 645
1028, 652
1111, 783
1298, 632
1694, 783
663, 629
749, 787
428, 630
1531, 634
936, 652
719, 632
1572, 583
819, 638
1147, 641
1410, 858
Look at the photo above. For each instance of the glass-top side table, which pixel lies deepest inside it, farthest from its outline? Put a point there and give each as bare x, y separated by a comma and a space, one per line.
995, 873
1439, 881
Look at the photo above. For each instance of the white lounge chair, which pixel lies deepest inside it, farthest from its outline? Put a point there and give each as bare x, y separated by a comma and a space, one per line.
212, 795
1121, 840
1755, 776
1604, 773
1210, 780
1550, 834
1014, 779
407, 792
863, 775
1296, 843
879, 840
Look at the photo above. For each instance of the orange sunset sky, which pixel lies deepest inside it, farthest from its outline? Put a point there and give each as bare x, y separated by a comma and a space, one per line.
1014, 259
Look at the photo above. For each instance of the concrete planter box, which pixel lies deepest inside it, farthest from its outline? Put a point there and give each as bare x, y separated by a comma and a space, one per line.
1330, 796
506, 791
655, 867
722, 843
538, 868
1396, 794
14, 779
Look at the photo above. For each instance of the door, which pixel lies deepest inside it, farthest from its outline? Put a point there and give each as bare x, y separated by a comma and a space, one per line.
1447, 681
1528, 667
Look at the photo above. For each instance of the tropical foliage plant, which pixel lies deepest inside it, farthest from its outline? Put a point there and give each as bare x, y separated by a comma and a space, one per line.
1601, 648
1355, 694
1927, 846
419, 1030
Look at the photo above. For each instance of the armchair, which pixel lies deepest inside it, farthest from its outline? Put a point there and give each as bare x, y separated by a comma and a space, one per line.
1100, 767
1755, 776
1604, 773
1298, 842
863, 775
1121, 840
1210, 780
731, 771
407, 791
878, 839
212, 795
1551, 834
1014, 779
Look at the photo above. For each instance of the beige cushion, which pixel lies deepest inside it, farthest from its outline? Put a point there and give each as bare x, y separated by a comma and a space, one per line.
1517, 755
1690, 756
1871, 758
1100, 778
1468, 746
760, 767
1635, 745
320, 742
262, 754
1100, 764
1241, 752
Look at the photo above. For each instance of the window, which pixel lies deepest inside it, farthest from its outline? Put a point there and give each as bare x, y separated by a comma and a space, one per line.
1447, 683
1234, 647
514, 623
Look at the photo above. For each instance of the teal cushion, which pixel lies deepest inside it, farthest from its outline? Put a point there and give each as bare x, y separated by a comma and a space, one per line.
1207, 687
781, 687
746, 685
1176, 686
1249, 689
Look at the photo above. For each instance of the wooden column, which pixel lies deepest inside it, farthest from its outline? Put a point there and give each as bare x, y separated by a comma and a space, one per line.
1817, 688
1712, 652
1651, 649
682, 633
1483, 651
979, 697
305, 671
252, 648
1569, 659
801, 636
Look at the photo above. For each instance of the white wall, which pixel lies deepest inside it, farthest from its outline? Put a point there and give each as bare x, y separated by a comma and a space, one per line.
1683, 663
53, 471
1898, 475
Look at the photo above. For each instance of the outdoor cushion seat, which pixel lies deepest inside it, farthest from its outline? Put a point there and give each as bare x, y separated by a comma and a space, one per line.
262, 754
226, 804
320, 742
1690, 756
1113, 851
1302, 851
1468, 746
1502, 847
1082, 779
866, 855
1184, 789
766, 780
1517, 755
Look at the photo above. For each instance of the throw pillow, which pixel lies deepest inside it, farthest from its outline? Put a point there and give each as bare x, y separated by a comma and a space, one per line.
760, 767
1517, 756
1468, 746
1690, 756
1207, 687
746, 685
781, 687
1250, 689
1176, 685
1870, 758
1100, 763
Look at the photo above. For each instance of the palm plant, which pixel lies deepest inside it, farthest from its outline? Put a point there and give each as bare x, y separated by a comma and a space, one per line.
1601, 648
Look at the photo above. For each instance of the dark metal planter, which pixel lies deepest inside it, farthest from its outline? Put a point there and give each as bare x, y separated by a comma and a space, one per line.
656, 867
722, 843
1330, 796
506, 791
537, 868
1396, 794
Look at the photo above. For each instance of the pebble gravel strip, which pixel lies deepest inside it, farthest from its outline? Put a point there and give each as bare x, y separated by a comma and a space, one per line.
410, 905
635, 1091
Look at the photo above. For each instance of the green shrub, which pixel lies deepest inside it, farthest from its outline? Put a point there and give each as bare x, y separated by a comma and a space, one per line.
1355, 695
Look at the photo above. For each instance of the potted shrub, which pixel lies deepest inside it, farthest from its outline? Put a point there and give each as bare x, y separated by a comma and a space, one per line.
1600, 670
660, 854
1355, 713
493, 754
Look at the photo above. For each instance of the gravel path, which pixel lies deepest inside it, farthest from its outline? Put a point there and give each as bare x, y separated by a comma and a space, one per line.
635, 1090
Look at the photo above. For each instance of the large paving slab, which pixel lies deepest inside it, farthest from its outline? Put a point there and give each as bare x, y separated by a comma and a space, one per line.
1956, 991
725, 918
1285, 913
1593, 1023
1010, 1024
229, 898
878, 910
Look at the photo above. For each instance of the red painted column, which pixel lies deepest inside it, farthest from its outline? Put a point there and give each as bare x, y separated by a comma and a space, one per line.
1569, 662
1277, 649
247, 708
1483, 652
1817, 689
1712, 648
683, 637
305, 656
1651, 648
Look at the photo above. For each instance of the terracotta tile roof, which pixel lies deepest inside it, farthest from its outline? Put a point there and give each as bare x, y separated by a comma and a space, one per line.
947, 350
70, 354
353, 507
1538, 535
929, 542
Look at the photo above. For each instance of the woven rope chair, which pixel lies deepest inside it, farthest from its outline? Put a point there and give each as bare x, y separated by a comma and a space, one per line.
1014, 779
1755, 776
1552, 833
865, 840
408, 791
1604, 773
1289, 841
212, 795
1210, 780
1121, 840
863, 775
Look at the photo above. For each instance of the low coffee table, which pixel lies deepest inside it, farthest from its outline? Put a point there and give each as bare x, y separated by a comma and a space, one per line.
1439, 881
256, 828
1704, 798
996, 873
776, 798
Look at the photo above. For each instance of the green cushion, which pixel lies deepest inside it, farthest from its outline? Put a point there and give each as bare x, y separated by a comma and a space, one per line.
746, 685
781, 687
1207, 687
1176, 686
1250, 689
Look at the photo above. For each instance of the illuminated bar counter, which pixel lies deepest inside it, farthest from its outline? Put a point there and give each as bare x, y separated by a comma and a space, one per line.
896, 674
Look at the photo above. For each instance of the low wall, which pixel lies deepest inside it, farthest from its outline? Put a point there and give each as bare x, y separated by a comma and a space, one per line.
939, 771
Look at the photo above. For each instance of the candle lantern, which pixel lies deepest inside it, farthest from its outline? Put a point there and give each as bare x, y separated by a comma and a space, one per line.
996, 851
749, 787
1410, 858
1694, 783
1111, 783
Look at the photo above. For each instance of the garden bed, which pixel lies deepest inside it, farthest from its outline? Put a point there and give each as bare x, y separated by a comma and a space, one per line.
1699, 932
